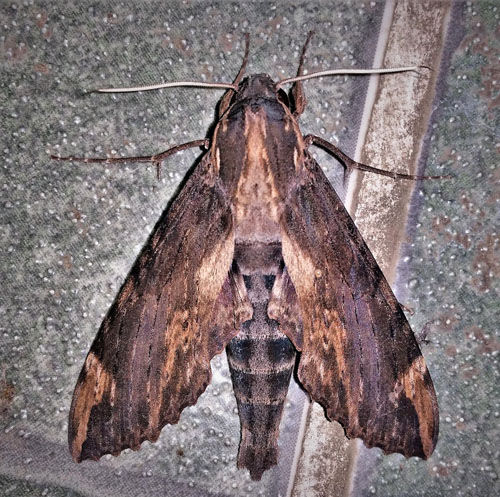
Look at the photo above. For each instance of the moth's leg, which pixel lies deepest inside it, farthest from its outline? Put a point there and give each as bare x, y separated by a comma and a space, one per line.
156, 159
298, 95
407, 309
226, 99
351, 164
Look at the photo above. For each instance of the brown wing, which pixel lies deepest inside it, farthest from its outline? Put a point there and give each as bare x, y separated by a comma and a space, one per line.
179, 307
359, 357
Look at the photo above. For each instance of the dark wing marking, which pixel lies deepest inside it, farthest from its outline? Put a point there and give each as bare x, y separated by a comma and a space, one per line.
151, 356
359, 357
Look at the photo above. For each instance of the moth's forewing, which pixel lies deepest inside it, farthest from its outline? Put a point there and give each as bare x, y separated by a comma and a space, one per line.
359, 358
151, 356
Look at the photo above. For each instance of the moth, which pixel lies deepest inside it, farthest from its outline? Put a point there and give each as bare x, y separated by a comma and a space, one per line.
256, 255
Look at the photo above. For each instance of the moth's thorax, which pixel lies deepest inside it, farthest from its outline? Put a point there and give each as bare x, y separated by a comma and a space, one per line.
256, 149
257, 205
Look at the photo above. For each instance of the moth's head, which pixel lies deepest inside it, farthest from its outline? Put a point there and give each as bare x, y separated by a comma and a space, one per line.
259, 86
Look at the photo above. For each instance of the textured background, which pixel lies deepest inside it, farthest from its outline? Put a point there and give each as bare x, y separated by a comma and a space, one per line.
70, 232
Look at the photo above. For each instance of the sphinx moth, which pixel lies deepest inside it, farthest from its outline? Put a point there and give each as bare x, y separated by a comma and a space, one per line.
256, 255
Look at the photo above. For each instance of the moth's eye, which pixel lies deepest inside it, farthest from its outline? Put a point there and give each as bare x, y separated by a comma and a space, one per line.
283, 97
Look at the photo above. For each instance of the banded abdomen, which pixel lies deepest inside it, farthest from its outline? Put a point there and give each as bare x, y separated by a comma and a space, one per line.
261, 360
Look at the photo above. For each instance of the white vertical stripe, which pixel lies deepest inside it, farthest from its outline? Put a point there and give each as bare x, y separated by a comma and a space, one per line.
371, 94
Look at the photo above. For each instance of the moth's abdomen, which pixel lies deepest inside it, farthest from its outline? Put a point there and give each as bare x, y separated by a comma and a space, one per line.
261, 360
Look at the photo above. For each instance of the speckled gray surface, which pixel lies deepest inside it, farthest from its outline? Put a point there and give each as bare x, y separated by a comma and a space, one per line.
70, 232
